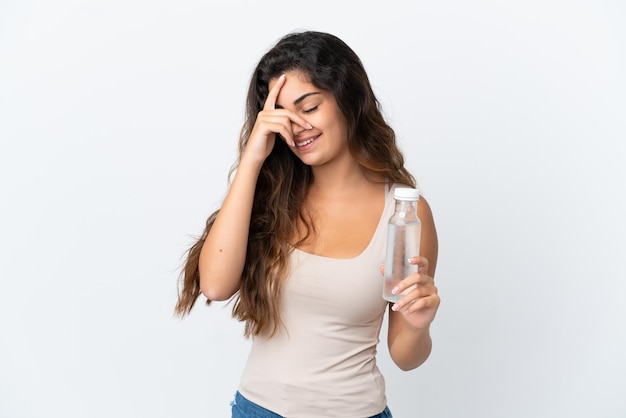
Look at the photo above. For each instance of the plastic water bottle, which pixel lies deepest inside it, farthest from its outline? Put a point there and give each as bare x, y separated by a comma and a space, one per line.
403, 241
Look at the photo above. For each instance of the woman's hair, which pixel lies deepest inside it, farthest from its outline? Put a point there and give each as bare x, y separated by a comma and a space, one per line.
283, 182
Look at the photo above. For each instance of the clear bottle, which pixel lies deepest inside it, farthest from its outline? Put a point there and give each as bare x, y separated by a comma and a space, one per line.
403, 241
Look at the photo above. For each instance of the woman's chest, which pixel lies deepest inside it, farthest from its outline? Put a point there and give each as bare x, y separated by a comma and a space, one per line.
343, 292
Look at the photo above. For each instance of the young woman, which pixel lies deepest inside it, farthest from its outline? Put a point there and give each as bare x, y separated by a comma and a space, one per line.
300, 240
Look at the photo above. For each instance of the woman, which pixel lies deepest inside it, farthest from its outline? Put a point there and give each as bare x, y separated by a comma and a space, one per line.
300, 239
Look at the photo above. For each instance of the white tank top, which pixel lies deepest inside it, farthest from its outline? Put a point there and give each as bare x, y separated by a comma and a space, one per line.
322, 362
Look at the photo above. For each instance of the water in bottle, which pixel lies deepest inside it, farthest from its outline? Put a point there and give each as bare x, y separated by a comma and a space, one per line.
403, 241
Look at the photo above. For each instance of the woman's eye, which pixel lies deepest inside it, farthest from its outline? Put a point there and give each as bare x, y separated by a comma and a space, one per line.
313, 109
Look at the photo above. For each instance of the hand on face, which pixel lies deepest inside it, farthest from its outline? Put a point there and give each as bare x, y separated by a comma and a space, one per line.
271, 121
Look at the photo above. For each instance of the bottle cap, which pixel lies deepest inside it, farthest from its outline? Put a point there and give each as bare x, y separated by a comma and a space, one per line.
406, 193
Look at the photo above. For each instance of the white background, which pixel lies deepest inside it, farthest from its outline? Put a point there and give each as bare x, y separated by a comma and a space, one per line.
119, 122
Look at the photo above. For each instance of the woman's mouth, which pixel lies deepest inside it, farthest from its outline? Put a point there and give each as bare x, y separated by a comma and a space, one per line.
303, 143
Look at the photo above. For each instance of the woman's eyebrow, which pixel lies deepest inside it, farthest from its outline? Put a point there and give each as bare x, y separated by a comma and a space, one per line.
304, 96
299, 99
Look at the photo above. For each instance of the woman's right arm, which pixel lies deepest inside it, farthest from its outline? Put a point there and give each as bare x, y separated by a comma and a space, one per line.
224, 251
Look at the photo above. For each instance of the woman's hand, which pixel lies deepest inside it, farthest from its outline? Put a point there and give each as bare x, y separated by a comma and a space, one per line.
408, 336
271, 121
421, 301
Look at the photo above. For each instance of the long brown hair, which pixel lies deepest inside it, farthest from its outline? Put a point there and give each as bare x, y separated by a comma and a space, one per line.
284, 180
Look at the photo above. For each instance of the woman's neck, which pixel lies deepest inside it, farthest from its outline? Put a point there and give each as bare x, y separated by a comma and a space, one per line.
339, 180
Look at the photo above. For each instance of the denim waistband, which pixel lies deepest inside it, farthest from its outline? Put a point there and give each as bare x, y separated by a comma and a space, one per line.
244, 408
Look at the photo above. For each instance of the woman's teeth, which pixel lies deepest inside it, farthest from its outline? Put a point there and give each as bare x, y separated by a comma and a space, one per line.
306, 142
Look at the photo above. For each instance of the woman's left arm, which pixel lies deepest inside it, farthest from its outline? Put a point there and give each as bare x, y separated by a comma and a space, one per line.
410, 318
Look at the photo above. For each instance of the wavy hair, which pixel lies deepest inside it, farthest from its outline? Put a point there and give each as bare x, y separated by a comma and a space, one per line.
283, 181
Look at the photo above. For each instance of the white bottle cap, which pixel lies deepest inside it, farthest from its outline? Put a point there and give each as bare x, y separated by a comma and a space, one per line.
406, 193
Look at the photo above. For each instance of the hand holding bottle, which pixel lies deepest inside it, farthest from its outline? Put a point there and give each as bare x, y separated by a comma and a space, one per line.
406, 282
420, 300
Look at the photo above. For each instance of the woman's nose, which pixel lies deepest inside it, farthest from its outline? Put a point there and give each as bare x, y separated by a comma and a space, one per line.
296, 128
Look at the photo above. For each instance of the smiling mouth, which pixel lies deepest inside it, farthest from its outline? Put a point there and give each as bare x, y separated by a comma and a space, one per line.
300, 144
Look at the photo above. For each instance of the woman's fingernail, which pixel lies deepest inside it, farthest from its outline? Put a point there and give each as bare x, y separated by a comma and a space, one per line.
394, 307
309, 126
394, 291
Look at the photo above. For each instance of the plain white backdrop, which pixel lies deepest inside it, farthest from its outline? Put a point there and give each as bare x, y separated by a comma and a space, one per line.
119, 122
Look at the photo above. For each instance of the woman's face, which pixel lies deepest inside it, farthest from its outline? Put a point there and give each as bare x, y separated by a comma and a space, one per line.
327, 141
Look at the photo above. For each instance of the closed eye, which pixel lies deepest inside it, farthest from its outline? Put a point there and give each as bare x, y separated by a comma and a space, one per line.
311, 110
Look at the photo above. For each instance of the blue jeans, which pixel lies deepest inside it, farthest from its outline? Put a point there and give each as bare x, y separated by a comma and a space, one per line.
243, 408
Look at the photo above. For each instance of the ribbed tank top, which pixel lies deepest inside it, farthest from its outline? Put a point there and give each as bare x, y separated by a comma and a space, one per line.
322, 362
